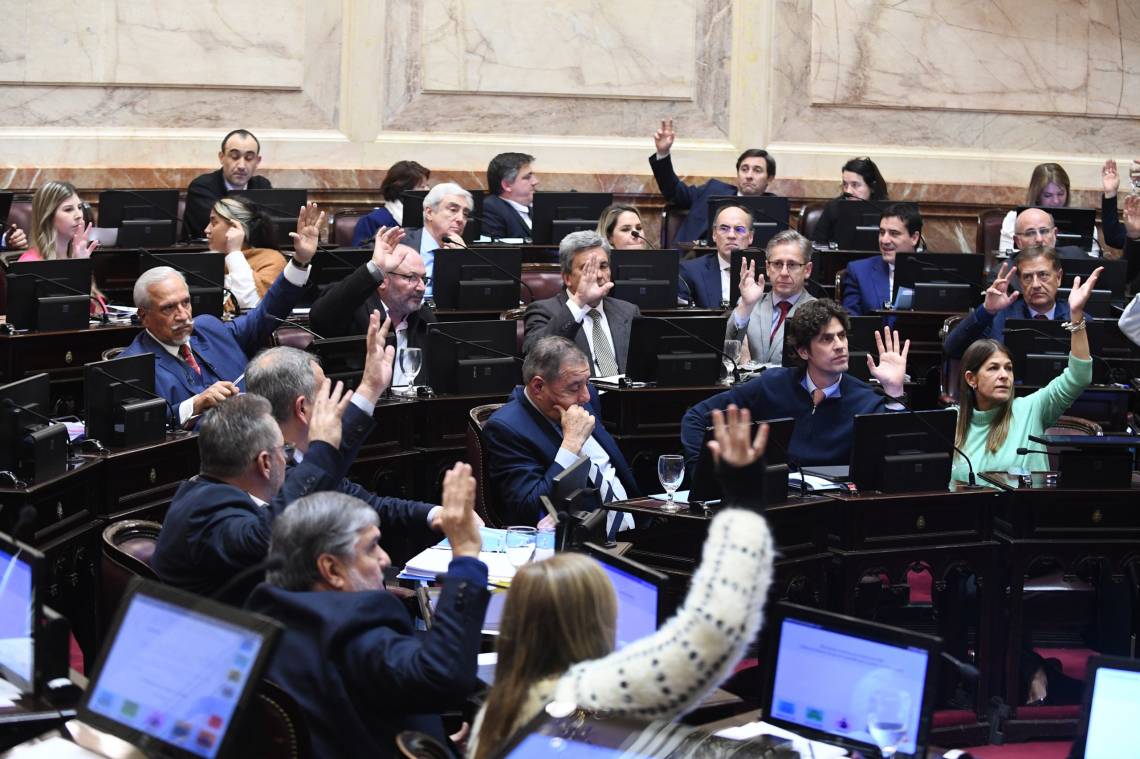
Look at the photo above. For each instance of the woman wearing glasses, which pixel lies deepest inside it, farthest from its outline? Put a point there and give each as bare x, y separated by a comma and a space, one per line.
861, 180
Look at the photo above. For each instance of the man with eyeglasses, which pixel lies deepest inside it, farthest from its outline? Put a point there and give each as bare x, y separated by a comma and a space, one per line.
393, 283
704, 281
1039, 273
869, 283
1035, 228
761, 316
240, 156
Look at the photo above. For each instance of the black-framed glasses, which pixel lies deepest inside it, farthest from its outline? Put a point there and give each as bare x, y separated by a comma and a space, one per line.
412, 279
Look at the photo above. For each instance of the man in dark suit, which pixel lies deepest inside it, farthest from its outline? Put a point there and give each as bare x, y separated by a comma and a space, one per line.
350, 654
754, 170
510, 193
447, 207
582, 312
240, 156
1035, 228
198, 362
870, 282
1039, 272
547, 424
704, 281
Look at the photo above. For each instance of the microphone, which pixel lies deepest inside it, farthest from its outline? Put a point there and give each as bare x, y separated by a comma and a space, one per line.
968, 672
1064, 341
638, 236
938, 433
268, 565
298, 325
702, 341
150, 203
1023, 451
135, 386
12, 405
196, 275
928, 261
489, 262
480, 346
103, 318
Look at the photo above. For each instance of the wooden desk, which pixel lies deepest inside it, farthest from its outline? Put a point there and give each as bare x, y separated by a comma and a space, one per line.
139, 483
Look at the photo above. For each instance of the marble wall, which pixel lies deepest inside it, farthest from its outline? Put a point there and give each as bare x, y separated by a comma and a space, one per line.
956, 99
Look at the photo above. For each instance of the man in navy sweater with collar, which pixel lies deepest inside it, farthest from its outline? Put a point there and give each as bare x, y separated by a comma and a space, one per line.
820, 395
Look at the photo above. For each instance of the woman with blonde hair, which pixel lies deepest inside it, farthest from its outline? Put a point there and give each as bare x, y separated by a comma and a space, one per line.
236, 225
60, 229
556, 637
620, 226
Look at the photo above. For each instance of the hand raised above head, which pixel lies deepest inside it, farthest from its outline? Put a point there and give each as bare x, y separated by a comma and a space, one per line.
1110, 178
751, 285
891, 369
998, 296
310, 221
1081, 292
379, 359
733, 442
329, 403
664, 136
458, 520
1132, 216
588, 292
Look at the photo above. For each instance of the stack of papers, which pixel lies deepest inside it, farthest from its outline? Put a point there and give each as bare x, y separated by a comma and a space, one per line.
432, 562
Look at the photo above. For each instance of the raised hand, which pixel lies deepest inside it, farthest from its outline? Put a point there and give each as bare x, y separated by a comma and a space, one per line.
1132, 216
589, 292
577, 426
1080, 293
384, 255
458, 519
751, 286
663, 137
310, 220
891, 369
998, 296
81, 247
329, 404
379, 358
1110, 177
732, 440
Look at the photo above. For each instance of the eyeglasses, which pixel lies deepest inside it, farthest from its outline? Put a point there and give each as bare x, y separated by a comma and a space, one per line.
789, 266
724, 229
411, 279
1039, 232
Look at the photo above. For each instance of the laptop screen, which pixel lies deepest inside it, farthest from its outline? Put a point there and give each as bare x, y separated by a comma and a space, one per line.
636, 605
16, 615
1112, 727
175, 674
855, 668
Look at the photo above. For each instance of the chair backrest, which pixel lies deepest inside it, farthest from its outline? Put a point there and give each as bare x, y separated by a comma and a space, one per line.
181, 216
128, 546
273, 725
1071, 425
544, 279
413, 744
989, 230
20, 214
111, 353
476, 456
344, 226
292, 338
809, 217
950, 368
672, 219
516, 315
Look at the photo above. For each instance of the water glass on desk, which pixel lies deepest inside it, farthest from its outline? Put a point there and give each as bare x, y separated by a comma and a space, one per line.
670, 473
730, 358
888, 712
410, 360
520, 545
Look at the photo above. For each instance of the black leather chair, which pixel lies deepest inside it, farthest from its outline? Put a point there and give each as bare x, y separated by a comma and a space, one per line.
476, 456
273, 725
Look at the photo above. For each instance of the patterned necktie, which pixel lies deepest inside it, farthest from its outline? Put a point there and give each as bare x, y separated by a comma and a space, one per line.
603, 351
1040, 316
784, 307
188, 357
817, 397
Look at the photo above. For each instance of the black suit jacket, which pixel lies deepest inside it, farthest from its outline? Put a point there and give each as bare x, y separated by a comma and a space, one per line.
500, 219
551, 316
203, 193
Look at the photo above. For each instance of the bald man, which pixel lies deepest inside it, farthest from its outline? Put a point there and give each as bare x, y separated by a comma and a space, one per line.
1035, 228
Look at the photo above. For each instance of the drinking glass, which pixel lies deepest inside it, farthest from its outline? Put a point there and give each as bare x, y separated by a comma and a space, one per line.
520, 545
670, 472
731, 351
544, 543
411, 359
888, 710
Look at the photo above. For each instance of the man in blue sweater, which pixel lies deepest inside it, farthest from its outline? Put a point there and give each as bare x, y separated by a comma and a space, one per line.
821, 397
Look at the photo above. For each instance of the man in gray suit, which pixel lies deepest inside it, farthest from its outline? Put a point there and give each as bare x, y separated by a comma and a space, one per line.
582, 312
761, 315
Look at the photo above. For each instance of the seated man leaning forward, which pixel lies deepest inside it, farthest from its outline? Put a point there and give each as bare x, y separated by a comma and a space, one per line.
199, 362
350, 655
820, 395
546, 425
219, 522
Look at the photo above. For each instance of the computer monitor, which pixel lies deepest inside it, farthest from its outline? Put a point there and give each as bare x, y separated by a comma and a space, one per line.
705, 487
32, 448
645, 277
557, 214
120, 405
282, 206
486, 279
50, 295
661, 352
1108, 727
414, 213
341, 358
640, 594
473, 357
857, 225
1075, 226
903, 452
331, 267
736, 259
770, 214
22, 577
859, 659
964, 269
1039, 350
1098, 306
144, 218
204, 273
6, 199
1113, 278
178, 671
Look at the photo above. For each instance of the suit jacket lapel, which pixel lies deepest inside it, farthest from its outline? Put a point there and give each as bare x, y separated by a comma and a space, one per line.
619, 330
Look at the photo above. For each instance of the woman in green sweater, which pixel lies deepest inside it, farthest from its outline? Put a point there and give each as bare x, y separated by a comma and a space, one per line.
992, 423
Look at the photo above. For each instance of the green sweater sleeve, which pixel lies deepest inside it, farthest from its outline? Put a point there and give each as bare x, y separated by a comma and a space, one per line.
1052, 400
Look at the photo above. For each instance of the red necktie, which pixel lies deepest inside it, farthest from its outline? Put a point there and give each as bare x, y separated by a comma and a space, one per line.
784, 307
188, 357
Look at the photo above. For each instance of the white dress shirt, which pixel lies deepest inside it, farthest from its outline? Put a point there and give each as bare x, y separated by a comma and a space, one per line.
428, 247
725, 279
579, 313
524, 212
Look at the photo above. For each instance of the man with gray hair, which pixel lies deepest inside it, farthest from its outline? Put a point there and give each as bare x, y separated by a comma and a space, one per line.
760, 316
546, 425
447, 207
583, 312
350, 654
199, 362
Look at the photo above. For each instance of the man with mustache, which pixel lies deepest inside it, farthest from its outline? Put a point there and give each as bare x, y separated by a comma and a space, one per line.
240, 156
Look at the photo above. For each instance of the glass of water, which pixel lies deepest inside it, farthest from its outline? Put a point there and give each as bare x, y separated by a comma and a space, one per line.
731, 354
520, 545
888, 711
670, 472
410, 360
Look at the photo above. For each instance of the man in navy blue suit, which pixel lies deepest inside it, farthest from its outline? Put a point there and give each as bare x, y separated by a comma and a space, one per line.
510, 193
754, 170
870, 282
1039, 272
704, 280
350, 654
547, 424
199, 362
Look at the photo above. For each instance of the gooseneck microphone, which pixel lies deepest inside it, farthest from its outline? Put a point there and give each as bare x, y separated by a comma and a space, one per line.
489, 262
480, 346
702, 341
104, 318
937, 432
298, 325
225, 290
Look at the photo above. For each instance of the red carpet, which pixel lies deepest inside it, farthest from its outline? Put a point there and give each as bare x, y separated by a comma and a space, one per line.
1036, 750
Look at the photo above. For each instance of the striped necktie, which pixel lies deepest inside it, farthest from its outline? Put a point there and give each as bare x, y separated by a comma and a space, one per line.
603, 351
